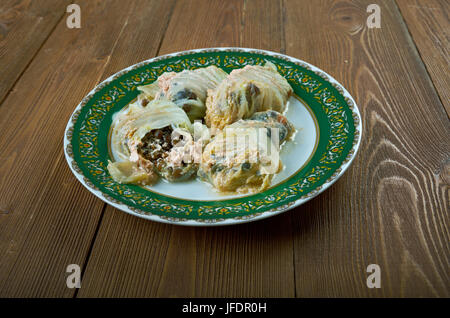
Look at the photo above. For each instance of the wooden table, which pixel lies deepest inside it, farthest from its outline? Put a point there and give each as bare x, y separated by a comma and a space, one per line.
391, 207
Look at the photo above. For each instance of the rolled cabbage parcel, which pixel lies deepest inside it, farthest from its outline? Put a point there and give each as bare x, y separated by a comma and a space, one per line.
244, 156
146, 142
187, 89
244, 92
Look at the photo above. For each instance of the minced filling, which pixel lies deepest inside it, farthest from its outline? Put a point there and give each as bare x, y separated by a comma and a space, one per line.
155, 146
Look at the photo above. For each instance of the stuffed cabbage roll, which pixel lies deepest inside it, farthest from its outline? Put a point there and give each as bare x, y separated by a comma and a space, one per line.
143, 139
187, 89
244, 157
245, 91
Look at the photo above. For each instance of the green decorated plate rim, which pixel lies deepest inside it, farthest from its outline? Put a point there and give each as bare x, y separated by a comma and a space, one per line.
323, 90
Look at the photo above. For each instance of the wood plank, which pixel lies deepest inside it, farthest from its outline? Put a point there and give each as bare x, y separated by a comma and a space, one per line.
142, 36
217, 24
49, 219
428, 22
263, 25
24, 27
148, 259
391, 207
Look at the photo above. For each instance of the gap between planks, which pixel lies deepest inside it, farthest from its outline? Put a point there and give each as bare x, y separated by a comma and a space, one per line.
417, 52
32, 57
83, 269
86, 261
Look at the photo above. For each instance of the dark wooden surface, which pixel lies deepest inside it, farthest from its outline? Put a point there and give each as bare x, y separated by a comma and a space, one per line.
390, 208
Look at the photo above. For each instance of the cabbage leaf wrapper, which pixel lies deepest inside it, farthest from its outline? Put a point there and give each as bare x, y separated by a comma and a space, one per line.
141, 139
244, 157
244, 92
187, 89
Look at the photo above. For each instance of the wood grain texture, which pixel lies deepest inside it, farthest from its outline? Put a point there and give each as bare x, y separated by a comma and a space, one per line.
218, 23
24, 27
428, 22
391, 207
49, 219
147, 259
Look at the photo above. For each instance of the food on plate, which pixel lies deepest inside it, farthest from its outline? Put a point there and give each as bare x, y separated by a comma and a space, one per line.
187, 89
274, 123
244, 157
244, 92
160, 136
143, 138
